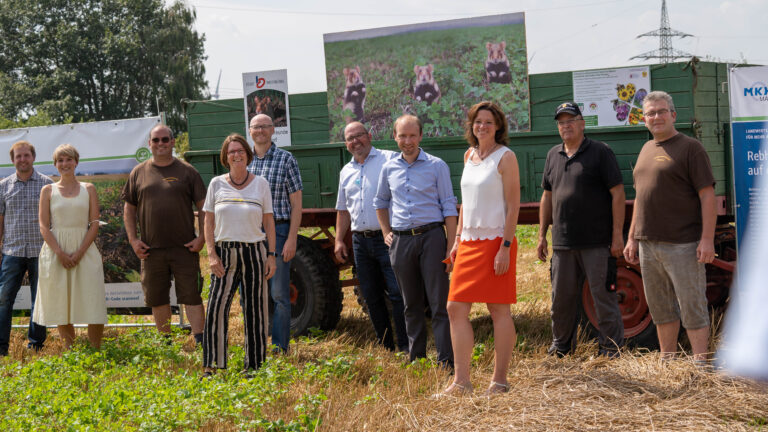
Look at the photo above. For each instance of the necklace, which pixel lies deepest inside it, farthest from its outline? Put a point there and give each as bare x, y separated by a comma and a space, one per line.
241, 183
482, 157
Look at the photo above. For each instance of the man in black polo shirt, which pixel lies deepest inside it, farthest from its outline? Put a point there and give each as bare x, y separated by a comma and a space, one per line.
583, 200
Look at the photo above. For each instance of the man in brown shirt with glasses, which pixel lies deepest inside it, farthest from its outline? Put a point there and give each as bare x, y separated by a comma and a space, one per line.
159, 195
673, 228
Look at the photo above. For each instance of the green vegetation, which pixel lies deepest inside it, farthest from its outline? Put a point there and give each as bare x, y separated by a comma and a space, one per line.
527, 235
340, 381
42, 118
386, 65
137, 382
98, 59
120, 263
182, 144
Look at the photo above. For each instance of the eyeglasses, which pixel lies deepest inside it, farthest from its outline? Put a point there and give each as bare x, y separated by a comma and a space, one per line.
236, 152
659, 113
164, 139
562, 123
355, 136
260, 127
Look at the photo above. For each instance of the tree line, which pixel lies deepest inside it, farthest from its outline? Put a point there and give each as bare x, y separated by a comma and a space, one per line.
89, 60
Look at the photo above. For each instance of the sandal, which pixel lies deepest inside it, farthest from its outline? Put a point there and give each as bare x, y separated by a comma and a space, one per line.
206, 375
496, 388
455, 390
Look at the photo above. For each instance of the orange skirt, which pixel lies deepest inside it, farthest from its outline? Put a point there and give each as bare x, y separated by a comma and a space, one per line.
473, 278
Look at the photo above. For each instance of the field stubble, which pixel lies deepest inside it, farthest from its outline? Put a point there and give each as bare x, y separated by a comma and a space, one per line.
340, 381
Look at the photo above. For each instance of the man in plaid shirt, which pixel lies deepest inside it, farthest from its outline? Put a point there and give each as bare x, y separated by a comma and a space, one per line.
21, 240
282, 173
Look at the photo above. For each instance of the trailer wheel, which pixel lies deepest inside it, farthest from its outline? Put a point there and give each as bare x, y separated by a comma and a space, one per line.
316, 296
639, 330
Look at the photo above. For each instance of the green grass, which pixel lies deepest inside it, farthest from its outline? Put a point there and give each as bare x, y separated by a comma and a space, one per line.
527, 235
137, 382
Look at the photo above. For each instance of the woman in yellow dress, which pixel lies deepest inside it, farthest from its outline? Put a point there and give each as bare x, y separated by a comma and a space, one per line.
71, 276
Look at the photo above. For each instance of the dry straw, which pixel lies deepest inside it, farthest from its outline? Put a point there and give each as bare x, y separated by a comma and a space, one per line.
636, 392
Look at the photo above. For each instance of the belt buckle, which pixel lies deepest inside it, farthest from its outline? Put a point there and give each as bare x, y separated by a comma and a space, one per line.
414, 232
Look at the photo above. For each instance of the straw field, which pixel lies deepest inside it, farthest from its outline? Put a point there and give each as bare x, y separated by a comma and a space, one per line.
339, 381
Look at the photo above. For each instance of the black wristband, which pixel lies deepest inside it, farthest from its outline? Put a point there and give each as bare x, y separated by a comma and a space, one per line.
271, 254
507, 243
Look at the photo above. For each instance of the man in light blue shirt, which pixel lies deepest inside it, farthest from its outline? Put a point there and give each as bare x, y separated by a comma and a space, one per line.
416, 187
357, 188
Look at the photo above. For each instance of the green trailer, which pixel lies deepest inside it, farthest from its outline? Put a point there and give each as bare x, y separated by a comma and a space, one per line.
701, 101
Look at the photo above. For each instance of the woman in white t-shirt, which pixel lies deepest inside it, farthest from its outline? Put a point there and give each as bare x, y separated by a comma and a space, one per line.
240, 252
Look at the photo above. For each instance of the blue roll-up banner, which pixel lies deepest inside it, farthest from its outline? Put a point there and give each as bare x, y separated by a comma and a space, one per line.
744, 350
749, 135
750, 163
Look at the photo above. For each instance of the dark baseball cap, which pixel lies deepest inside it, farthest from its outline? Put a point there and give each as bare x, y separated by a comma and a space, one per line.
568, 107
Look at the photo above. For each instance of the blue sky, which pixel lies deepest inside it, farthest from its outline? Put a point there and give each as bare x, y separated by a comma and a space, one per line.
247, 36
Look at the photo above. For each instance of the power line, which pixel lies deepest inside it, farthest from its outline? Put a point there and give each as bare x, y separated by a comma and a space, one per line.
380, 14
735, 37
589, 27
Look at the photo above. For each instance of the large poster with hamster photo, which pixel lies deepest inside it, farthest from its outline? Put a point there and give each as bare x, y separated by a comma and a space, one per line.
435, 71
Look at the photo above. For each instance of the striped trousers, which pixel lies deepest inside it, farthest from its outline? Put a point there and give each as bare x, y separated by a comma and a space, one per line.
243, 265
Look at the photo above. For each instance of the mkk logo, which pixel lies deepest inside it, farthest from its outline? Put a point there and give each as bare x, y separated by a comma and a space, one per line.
260, 82
758, 91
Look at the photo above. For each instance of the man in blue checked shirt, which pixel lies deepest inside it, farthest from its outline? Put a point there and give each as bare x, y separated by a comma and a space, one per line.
416, 188
357, 188
282, 173
21, 240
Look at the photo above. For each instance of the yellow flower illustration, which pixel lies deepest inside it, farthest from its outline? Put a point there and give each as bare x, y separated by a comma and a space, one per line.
624, 94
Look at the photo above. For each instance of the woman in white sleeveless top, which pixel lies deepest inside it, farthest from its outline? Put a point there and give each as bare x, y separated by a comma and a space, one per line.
485, 255
70, 288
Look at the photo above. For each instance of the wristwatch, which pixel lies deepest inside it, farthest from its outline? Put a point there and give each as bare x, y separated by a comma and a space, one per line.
507, 243
271, 254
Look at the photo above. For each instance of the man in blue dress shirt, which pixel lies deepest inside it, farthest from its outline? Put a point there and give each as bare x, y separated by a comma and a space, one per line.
416, 188
357, 188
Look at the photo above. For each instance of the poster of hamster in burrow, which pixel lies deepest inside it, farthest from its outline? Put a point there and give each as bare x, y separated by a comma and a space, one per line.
435, 71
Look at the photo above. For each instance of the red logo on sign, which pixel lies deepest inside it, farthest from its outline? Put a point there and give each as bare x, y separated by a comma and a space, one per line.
260, 82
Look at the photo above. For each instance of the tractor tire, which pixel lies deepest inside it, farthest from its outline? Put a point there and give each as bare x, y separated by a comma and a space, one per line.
639, 330
316, 295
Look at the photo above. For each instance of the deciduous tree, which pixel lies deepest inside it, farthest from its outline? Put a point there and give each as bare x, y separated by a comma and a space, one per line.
98, 59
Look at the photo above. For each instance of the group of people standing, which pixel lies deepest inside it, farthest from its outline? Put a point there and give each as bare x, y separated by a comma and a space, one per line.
249, 219
671, 235
399, 255
48, 231
406, 249
407, 237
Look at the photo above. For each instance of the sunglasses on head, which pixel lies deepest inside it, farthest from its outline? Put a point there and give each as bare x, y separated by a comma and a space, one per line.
165, 140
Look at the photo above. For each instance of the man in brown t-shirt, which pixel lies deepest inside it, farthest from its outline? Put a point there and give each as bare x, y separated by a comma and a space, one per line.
159, 195
673, 228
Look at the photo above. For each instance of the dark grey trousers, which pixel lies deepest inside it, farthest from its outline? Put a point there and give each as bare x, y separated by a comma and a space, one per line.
569, 269
417, 263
